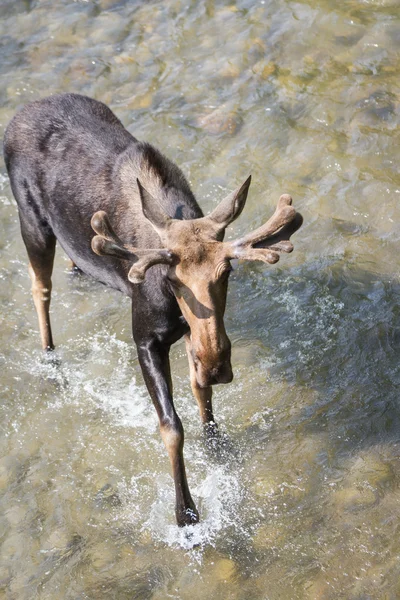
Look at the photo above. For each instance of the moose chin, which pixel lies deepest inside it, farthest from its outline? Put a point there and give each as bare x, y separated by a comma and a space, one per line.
126, 215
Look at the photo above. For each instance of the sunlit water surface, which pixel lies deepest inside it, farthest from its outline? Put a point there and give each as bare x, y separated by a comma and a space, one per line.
303, 500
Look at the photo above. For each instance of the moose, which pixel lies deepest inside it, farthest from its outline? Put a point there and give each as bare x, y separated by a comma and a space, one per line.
125, 215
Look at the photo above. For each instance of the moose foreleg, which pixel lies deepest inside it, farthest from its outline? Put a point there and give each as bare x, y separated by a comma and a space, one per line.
154, 361
203, 396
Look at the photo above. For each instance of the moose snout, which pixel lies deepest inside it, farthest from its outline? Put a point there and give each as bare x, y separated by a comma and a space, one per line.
212, 369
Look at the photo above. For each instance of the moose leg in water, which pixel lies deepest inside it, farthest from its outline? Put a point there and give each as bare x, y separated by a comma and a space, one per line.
154, 361
153, 353
203, 396
40, 243
40, 273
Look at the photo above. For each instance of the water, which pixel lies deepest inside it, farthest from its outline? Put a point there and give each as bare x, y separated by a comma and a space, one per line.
303, 501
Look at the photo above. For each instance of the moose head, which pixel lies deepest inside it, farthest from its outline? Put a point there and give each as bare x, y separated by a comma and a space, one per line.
199, 265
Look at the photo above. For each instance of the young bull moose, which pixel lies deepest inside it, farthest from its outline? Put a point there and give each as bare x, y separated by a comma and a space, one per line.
73, 169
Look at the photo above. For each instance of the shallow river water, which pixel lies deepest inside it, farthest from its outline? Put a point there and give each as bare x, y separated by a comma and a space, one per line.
303, 502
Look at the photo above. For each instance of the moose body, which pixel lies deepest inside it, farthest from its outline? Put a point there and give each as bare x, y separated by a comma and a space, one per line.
75, 171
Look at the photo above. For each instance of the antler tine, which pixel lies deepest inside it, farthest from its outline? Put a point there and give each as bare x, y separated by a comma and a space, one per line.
106, 241
280, 240
283, 215
267, 241
102, 247
102, 226
146, 260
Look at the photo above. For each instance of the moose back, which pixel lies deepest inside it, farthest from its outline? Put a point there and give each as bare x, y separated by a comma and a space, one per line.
126, 215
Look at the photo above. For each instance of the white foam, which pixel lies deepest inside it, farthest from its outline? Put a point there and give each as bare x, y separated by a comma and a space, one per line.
217, 496
116, 392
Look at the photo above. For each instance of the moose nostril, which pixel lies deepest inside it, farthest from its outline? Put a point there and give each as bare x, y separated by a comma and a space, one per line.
222, 373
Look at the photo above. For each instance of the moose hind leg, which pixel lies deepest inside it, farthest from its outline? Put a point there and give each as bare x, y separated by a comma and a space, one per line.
41, 250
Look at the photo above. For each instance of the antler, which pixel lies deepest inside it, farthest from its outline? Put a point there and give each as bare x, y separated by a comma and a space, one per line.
106, 242
274, 235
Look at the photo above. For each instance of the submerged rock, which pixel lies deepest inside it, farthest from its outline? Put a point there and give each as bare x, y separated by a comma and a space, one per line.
225, 570
221, 120
107, 497
370, 469
139, 101
265, 69
367, 479
102, 555
353, 499
230, 70
59, 539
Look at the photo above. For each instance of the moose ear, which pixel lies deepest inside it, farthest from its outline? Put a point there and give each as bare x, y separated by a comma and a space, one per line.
152, 209
230, 208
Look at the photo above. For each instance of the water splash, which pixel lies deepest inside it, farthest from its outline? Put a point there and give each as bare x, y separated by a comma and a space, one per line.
77, 378
123, 403
218, 496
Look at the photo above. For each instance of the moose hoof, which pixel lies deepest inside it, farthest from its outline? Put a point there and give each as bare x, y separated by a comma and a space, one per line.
211, 430
187, 516
74, 270
212, 436
50, 357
